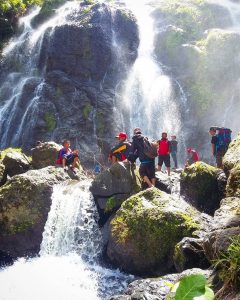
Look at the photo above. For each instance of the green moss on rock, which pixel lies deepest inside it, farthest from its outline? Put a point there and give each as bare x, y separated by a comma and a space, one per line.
4, 152
50, 121
233, 183
87, 109
149, 225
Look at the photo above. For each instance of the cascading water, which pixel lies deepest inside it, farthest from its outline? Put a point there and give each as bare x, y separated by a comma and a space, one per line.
149, 94
68, 266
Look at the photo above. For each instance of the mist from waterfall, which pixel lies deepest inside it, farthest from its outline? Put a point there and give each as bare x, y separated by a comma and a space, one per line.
149, 95
68, 266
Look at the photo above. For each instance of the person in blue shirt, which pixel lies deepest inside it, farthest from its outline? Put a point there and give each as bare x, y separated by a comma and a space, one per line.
67, 157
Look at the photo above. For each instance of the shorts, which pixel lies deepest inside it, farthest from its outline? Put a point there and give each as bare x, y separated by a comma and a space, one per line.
70, 158
147, 169
164, 159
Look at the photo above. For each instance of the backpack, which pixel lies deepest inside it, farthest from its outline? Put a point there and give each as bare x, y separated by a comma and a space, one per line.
150, 149
223, 139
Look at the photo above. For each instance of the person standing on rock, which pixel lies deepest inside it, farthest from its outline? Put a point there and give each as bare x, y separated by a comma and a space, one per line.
221, 138
173, 150
121, 150
147, 164
164, 153
67, 157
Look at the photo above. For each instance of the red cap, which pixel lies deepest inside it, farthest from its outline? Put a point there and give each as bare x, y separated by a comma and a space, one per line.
189, 150
121, 135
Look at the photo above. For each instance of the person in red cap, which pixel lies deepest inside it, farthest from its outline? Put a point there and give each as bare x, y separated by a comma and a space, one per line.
121, 150
192, 156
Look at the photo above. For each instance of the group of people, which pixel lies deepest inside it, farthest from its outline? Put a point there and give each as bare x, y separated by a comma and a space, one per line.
140, 147
146, 151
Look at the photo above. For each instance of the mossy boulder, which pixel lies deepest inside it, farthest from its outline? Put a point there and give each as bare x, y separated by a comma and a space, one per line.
199, 185
24, 204
45, 154
15, 162
145, 230
2, 174
232, 157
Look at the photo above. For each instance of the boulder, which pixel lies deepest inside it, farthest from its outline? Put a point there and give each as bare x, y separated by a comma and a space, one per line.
24, 204
232, 156
189, 254
199, 185
45, 154
167, 184
111, 187
155, 288
226, 224
16, 163
145, 230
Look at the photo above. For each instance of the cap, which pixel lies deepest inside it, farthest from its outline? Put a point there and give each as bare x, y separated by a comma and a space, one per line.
121, 135
189, 150
137, 130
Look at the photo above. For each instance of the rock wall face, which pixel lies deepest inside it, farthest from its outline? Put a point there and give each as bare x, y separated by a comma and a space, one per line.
81, 62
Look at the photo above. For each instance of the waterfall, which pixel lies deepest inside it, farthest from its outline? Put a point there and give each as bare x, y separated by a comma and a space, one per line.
68, 266
21, 74
149, 93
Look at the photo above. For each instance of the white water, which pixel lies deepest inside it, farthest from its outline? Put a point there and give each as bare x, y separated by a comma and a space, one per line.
149, 93
68, 266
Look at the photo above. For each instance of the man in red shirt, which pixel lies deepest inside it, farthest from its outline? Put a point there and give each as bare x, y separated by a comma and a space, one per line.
192, 156
164, 153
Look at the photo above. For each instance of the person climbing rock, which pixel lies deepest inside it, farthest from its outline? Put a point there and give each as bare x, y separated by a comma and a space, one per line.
173, 150
164, 153
147, 164
193, 157
221, 138
67, 157
121, 150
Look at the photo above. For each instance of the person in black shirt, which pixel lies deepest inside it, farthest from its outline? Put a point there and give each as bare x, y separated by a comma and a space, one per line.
147, 166
217, 154
173, 150
121, 150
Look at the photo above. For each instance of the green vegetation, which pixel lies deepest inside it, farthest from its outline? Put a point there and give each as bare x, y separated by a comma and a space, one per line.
228, 265
233, 183
50, 120
87, 109
191, 287
111, 204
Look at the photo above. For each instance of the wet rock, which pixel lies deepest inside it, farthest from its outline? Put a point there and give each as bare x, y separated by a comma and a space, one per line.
189, 254
24, 204
200, 186
226, 224
15, 163
145, 230
155, 288
45, 154
113, 186
232, 157
233, 182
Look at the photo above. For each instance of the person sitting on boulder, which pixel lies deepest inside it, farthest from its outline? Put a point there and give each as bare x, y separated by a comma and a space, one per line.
67, 157
147, 166
164, 153
121, 150
192, 157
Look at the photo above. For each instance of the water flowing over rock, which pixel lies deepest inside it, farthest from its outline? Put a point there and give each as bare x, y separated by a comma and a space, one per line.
145, 230
69, 93
24, 204
199, 184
